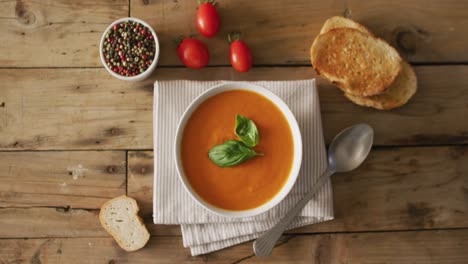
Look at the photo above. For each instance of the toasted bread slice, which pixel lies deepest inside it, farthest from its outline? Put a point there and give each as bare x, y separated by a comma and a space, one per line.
341, 22
119, 216
356, 62
399, 93
401, 90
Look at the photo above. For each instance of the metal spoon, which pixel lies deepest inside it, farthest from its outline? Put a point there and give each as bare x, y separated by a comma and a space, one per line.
346, 152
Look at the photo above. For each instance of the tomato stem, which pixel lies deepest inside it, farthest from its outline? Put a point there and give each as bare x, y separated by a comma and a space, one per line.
201, 2
178, 40
234, 36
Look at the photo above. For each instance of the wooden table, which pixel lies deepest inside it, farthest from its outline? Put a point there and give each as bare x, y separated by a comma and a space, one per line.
72, 136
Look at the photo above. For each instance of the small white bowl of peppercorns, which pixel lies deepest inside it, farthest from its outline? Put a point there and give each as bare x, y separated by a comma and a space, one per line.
129, 49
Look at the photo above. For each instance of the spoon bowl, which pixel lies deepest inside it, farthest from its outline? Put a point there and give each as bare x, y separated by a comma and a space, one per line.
350, 148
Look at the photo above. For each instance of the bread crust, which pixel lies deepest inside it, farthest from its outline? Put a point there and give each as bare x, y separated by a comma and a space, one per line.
342, 22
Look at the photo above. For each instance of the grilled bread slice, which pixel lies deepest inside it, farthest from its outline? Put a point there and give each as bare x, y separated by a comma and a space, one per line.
341, 22
119, 216
400, 91
398, 94
358, 63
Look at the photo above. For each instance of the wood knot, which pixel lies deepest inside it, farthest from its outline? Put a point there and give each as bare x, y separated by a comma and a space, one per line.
347, 13
405, 42
24, 16
2, 104
420, 214
114, 131
409, 40
112, 261
28, 19
142, 169
65, 209
112, 169
146, 2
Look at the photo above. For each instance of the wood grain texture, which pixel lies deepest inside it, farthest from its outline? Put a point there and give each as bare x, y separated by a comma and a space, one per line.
49, 222
140, 179
48, 194
395, 189
88, 109
80, 109
62, 222
79, 179
281, 32
422, 31
50, 33
442, 247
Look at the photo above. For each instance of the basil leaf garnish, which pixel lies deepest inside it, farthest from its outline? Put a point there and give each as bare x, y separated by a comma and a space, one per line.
230, 153
247, 131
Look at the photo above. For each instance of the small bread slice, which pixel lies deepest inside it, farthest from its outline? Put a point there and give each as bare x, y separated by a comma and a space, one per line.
341, 22
398, 94
119, 216
358, 63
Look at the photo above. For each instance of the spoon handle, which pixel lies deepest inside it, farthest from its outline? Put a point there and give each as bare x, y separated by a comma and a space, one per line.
264, 244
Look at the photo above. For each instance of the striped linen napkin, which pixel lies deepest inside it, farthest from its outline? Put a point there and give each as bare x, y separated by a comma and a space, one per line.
203, 231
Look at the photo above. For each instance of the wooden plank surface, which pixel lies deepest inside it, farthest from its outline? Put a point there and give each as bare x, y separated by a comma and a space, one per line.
66, 127
442, 247
281, 32
50, 33
67, 33
48, 194
79, 179
80, 109
396, 189
88, 109
48, 222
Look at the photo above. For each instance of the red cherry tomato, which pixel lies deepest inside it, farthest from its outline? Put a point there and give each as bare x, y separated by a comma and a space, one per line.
193, 53
239, 54
207, 19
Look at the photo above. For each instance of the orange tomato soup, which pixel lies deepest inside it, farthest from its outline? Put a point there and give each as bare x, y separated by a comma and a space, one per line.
252, 183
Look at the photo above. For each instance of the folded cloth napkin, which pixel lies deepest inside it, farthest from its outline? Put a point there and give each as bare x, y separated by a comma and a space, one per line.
203, 231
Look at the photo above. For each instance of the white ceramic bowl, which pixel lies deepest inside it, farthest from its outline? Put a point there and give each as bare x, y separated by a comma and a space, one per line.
297, 141
150, 69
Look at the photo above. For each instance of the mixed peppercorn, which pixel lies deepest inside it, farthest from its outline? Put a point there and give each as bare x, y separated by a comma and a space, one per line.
129, 48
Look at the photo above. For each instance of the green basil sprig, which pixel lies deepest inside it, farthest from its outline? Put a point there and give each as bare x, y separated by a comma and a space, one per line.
230, 153
234, 152
247, 131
